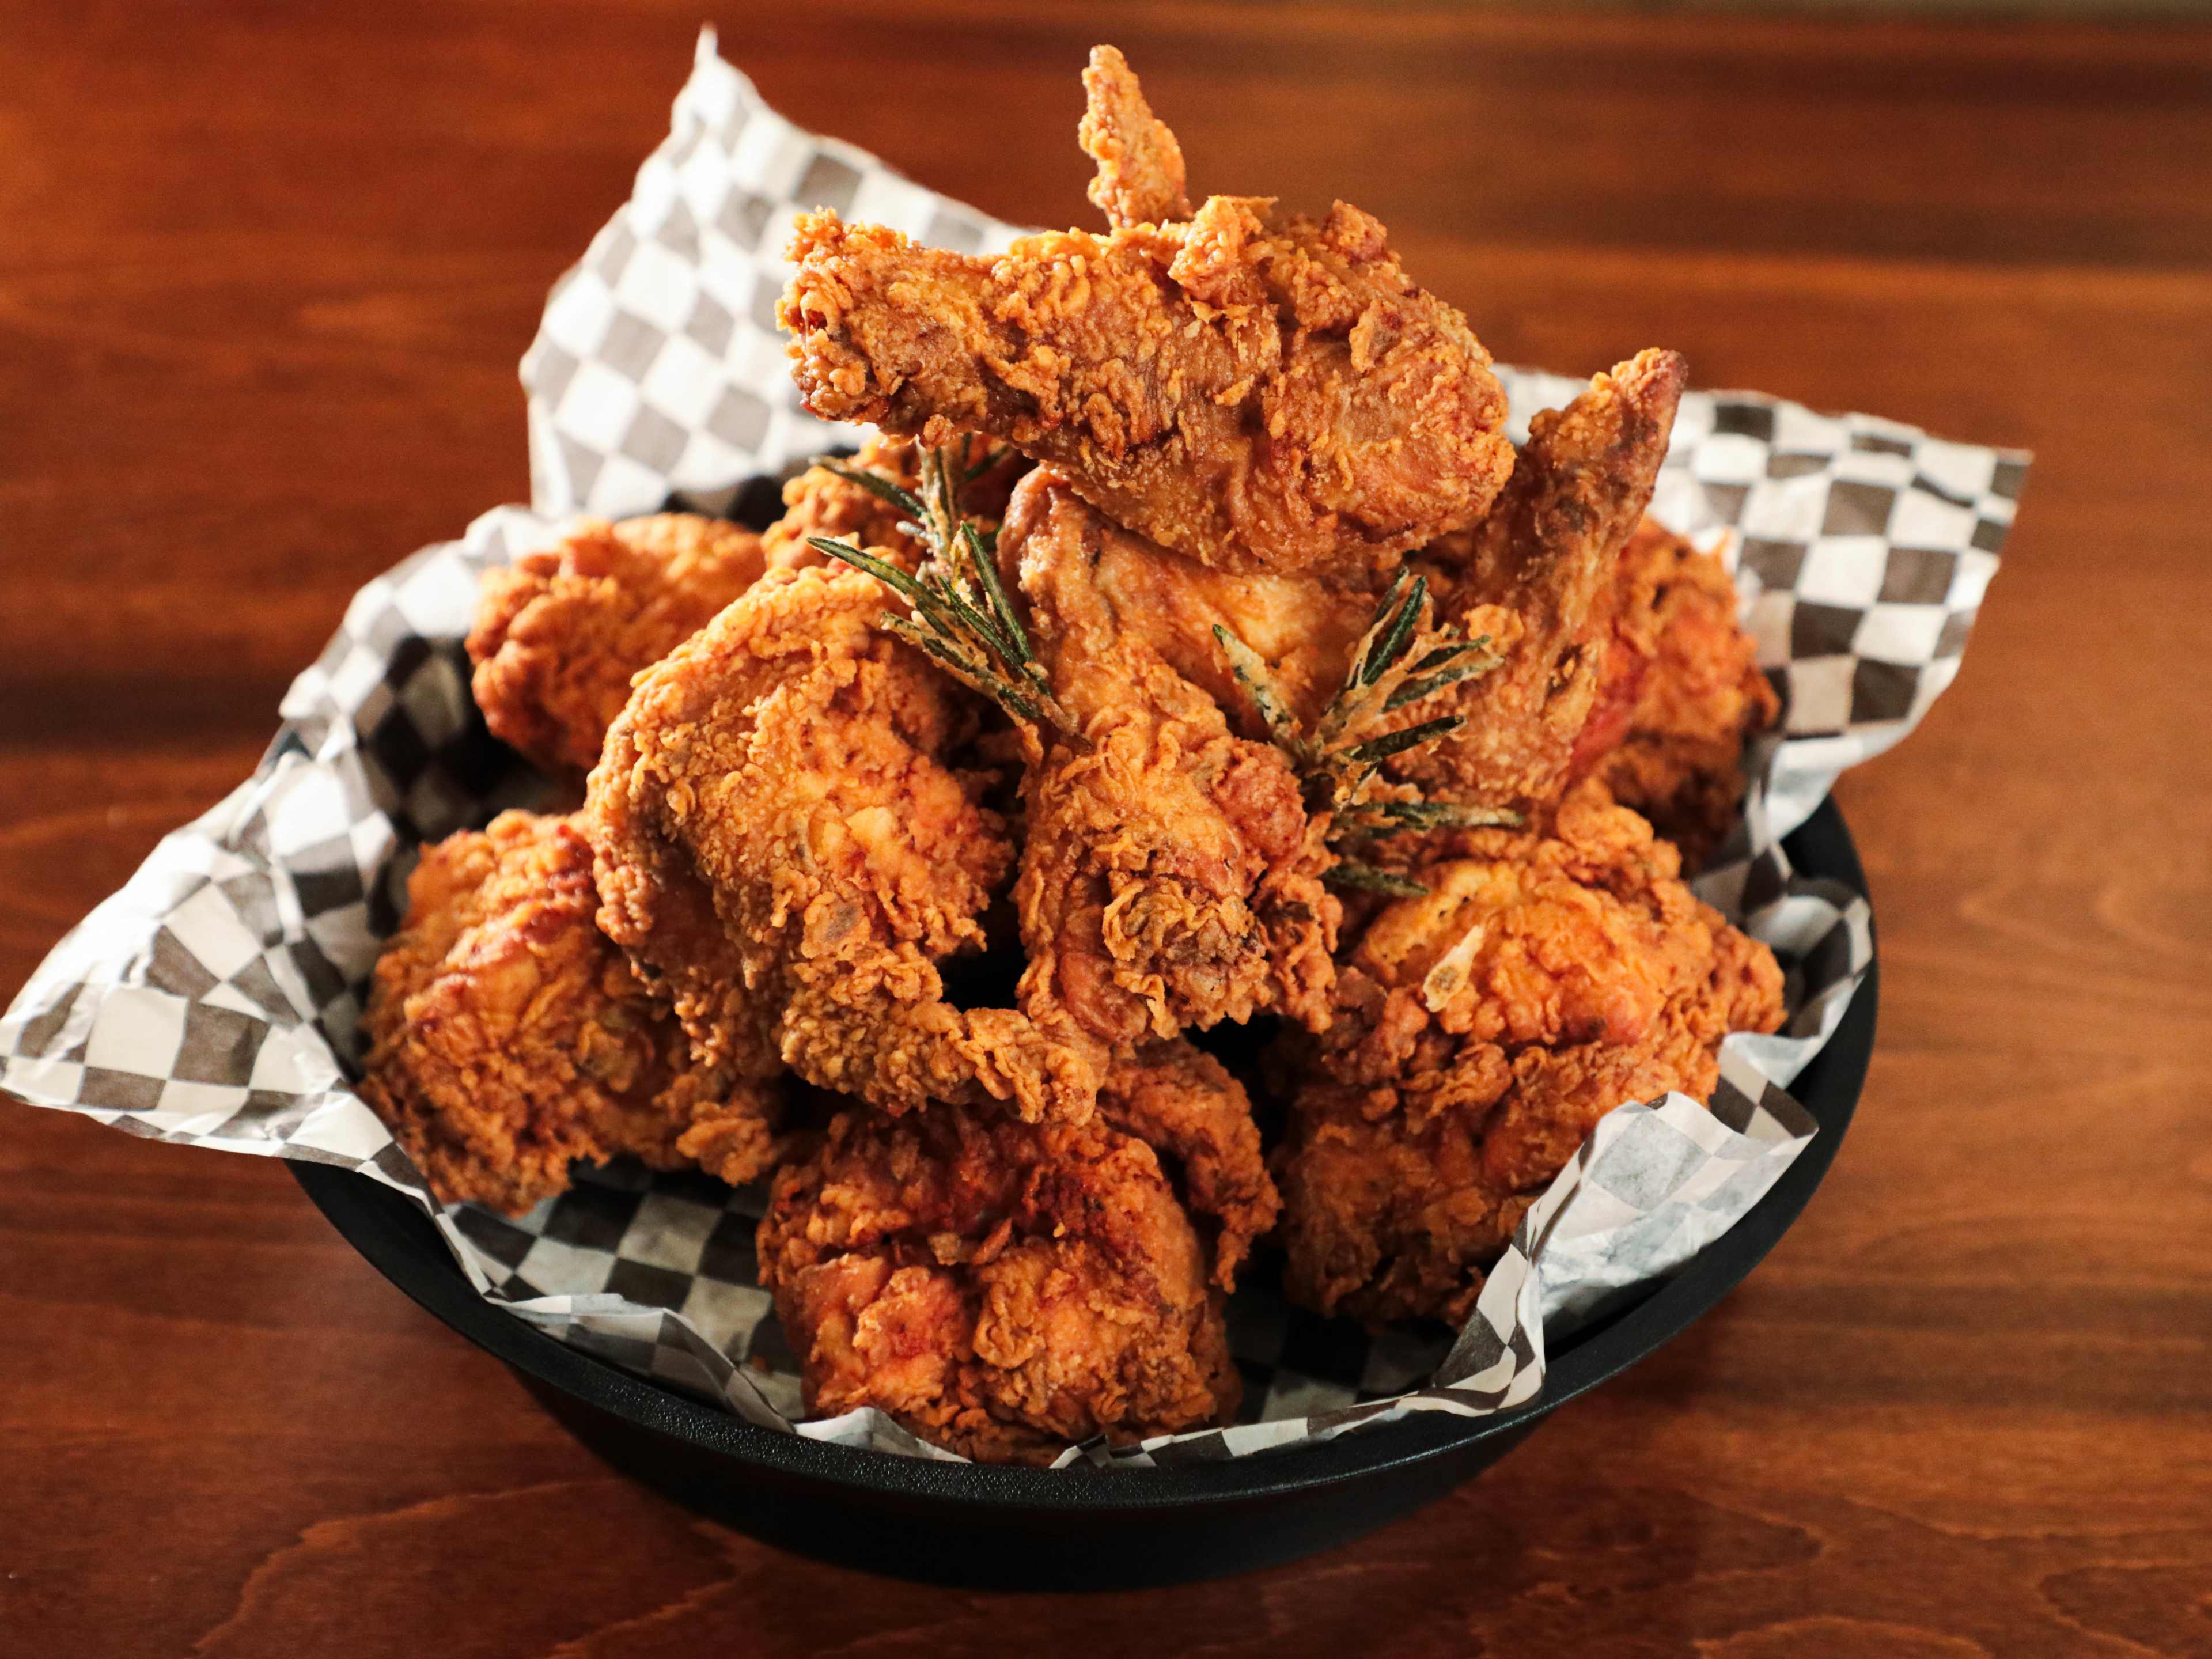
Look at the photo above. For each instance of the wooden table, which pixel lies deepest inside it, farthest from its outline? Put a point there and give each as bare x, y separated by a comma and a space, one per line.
264, 275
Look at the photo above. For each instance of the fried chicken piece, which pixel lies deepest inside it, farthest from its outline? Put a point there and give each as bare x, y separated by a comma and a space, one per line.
1183, 1103
1304, 628
560, 633
1699, 695
786, 851
1482, 1033
1170, 873
1000, 1289
1542, 577
507, 1037
820, 502
1141, 179
1257, 391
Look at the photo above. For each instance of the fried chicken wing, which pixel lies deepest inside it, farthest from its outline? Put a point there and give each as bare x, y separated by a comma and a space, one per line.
786, 853
1482, 1031
1542, 577
1697, 695
507, 1037
1000, 1289
560, 633
1171, 874
1255, 391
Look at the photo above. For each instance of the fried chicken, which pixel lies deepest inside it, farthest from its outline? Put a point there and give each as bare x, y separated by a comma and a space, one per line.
786, 851
822, 502
1542, 577
1171, 874
560, 633
507, 1037
1303, 627
999, 1288
1139, 179
1697, 695
1482, 1031
1183, 1103
1255, 391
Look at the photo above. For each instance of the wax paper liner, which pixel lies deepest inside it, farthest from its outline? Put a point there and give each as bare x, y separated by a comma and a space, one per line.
215, 999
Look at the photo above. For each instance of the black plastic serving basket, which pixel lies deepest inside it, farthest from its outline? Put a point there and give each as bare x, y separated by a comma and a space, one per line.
1088, 1528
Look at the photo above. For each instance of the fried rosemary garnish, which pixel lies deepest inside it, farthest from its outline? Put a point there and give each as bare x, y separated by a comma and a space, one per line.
963, 617
1338, 764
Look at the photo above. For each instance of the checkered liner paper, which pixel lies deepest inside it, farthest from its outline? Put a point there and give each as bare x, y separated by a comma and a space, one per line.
214, 1000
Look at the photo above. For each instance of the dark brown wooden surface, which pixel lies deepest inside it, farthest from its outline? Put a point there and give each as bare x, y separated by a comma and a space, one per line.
265, 274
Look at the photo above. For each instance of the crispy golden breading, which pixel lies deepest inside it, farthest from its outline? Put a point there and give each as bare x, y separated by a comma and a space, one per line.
1141, 179
1183, 1103
1482, 1031
1256, 392
818, 502
1020, 1225
507, 1037
1171, 875
560, 633
1539, 576
1000, 1289
1303, 627
1697, 696
785, 853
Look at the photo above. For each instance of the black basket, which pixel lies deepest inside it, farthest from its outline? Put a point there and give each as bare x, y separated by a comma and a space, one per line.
1088, 1528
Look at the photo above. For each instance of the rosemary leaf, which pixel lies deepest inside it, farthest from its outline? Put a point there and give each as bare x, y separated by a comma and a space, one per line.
962, 615
1251, 671
974, 675
890, 574
993, 454
1413, 691
1393, 644
975, 622
1397, 743
1367, 879
994, 590
1444, 653
1384, 612
875, 484
931, 599
1388, 817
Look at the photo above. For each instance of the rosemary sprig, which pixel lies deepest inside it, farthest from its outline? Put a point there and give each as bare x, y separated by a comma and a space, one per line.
1338, 760
963, 617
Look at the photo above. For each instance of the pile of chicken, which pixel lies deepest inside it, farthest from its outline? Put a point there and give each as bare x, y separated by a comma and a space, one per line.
1201, 460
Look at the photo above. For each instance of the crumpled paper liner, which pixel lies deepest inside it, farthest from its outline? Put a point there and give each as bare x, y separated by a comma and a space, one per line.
214, 1000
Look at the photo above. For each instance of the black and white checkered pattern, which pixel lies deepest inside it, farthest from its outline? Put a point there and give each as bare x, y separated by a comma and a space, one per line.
214, 1000
1863, 549
660, 371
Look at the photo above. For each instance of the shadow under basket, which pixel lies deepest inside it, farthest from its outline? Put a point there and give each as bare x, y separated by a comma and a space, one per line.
970, 1524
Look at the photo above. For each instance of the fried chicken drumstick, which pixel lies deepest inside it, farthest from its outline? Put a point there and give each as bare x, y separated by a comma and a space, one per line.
507, 1037
1257, 391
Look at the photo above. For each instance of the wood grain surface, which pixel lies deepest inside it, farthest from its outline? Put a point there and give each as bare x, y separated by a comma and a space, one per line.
265, 274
